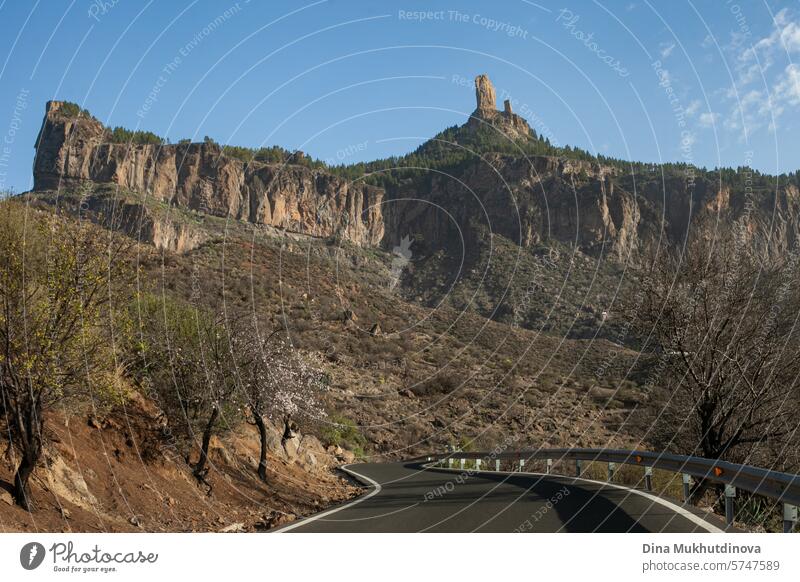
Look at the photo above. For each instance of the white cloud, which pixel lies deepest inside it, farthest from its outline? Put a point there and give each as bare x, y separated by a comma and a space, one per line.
666, 49
754, 59
786, 34
762, 92
692, 108
707, 119
787, 89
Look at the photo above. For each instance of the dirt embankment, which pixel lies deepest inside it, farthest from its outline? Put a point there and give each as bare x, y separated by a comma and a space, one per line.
119, 473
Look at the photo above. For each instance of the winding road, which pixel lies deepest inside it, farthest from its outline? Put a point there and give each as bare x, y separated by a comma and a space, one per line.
406, 497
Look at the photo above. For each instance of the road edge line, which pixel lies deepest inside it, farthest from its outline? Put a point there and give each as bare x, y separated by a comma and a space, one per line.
376, 488
683, 512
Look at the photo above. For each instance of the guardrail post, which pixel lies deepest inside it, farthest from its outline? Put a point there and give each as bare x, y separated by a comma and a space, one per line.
648, 478
687, 493
789, 517
497, 465
549, 466
611, 468
521, 465
462, 461
477, 464
577, 467
730, 495
450, 462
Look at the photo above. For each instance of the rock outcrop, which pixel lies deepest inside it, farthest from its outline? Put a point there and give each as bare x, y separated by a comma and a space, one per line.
199, 176
485, 95
598, 209
129, 214
511, 125
529, 200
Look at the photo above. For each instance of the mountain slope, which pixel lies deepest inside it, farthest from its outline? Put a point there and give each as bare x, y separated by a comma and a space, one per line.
466, 291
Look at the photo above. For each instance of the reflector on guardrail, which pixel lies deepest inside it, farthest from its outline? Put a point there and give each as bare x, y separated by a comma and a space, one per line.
783, 487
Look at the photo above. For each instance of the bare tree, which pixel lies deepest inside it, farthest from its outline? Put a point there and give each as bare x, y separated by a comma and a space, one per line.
166, 360
723, 321
186, 357
56, 296
218, 359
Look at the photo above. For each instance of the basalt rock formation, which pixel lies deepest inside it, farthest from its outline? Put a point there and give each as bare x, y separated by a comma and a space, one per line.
506, 122
72, 150
529, 199
597, 208
484, 95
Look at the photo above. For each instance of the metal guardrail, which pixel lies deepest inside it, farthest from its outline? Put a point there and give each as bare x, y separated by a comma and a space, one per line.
783, 487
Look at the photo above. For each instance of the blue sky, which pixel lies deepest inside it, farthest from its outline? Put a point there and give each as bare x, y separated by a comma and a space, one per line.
712, 83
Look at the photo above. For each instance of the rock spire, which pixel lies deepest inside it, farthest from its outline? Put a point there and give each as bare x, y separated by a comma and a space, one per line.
485, 95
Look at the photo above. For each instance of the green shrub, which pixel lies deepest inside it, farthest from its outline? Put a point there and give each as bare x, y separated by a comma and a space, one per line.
70, 109
122, 135
439, 384
343, 432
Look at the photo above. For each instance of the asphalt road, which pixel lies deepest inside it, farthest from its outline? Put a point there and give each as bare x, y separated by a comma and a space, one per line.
404, 497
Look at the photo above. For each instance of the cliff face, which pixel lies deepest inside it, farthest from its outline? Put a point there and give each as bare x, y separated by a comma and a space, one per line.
593, 207
597, 208
529, 200
72, 150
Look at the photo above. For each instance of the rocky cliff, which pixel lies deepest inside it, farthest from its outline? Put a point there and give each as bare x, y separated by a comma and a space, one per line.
511, 126
596, 207
74, 149
527, 198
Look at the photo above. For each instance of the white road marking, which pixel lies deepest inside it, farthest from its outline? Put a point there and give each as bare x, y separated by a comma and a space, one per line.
301, 522
683, 512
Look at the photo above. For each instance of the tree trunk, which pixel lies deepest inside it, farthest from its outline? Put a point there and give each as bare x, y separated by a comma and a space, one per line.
200, 468
289, 429
262, 461
29, 430
30, 456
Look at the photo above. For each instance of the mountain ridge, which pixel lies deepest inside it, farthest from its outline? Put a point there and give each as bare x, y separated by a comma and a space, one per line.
481, 171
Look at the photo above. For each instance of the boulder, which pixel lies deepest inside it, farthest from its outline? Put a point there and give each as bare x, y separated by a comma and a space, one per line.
346, 457
67, 483
291, 446
6, 497
311, 443
349, 316
274, 518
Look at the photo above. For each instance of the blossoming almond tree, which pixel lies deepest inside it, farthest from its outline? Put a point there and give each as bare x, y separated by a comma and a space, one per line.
277, 381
